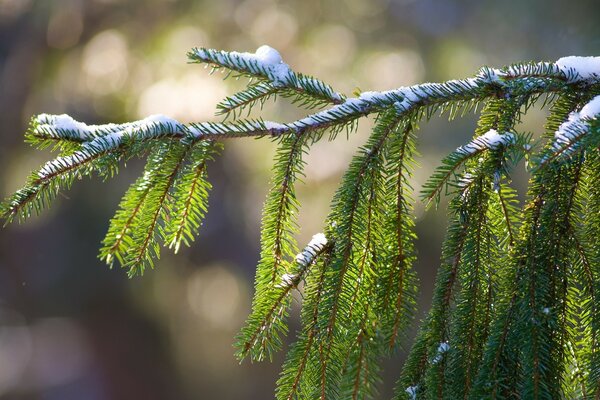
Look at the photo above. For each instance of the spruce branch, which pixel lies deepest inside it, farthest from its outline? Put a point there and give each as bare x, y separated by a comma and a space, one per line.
266, 64
514, 310
302, 359
397, 291
574, 135
261, 335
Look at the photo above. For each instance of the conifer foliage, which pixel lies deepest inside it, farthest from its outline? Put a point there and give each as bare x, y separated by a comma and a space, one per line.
515, 311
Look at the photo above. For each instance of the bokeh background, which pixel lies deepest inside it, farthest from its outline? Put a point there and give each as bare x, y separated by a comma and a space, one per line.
70, 328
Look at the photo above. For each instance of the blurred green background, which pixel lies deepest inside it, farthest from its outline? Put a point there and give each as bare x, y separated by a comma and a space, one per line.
70, 328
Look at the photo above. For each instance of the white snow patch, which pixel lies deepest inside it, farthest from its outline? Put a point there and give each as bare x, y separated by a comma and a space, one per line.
496, 182
66, 122
159, 119
56, 124
268, 55
591, 109
270, 61
353, 102
443, 347
316, 245
287, 280
575, 126
493, 138
466, 180
414, 94
89, 150
546, 311
369, 96
103, 137
195, 131
270, 125
489, 140
265, 60
336, 96
412, 392
441, 350
585, 67
491, 75
51, 167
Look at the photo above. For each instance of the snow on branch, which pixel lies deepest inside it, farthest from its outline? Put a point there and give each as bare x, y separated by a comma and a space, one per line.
104, 138
314, 247
65, 127
240, 128
571, 132
266, 63
573, 69
443, 175
412, 392
580, 68
441, 350
405, 99
306, 257
490, 140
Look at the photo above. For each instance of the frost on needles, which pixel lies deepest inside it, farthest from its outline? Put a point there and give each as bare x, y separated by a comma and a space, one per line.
513, 313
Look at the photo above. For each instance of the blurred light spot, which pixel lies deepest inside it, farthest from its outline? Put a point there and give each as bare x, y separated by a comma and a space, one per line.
69, 83
247, 11
60, 352
14, 8
214, 295
192, 97
183, 38
434, 17
275, 27
65, 27
366, 8
15, 348
105, 62
332, 46
533, 121
19, 163
457, 60
420, 176
320, 165
390, 70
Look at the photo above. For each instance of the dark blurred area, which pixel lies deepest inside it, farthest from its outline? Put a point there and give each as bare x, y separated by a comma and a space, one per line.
71, 328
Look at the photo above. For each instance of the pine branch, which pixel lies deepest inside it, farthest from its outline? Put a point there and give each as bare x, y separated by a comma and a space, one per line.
261, 335
397, 293
302, 356
350, 215
278, 247
266, 64
514, 311
491, 140
119, 236
190, 198
531, 299
247, 98
589, 250
144, 248
581, 131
